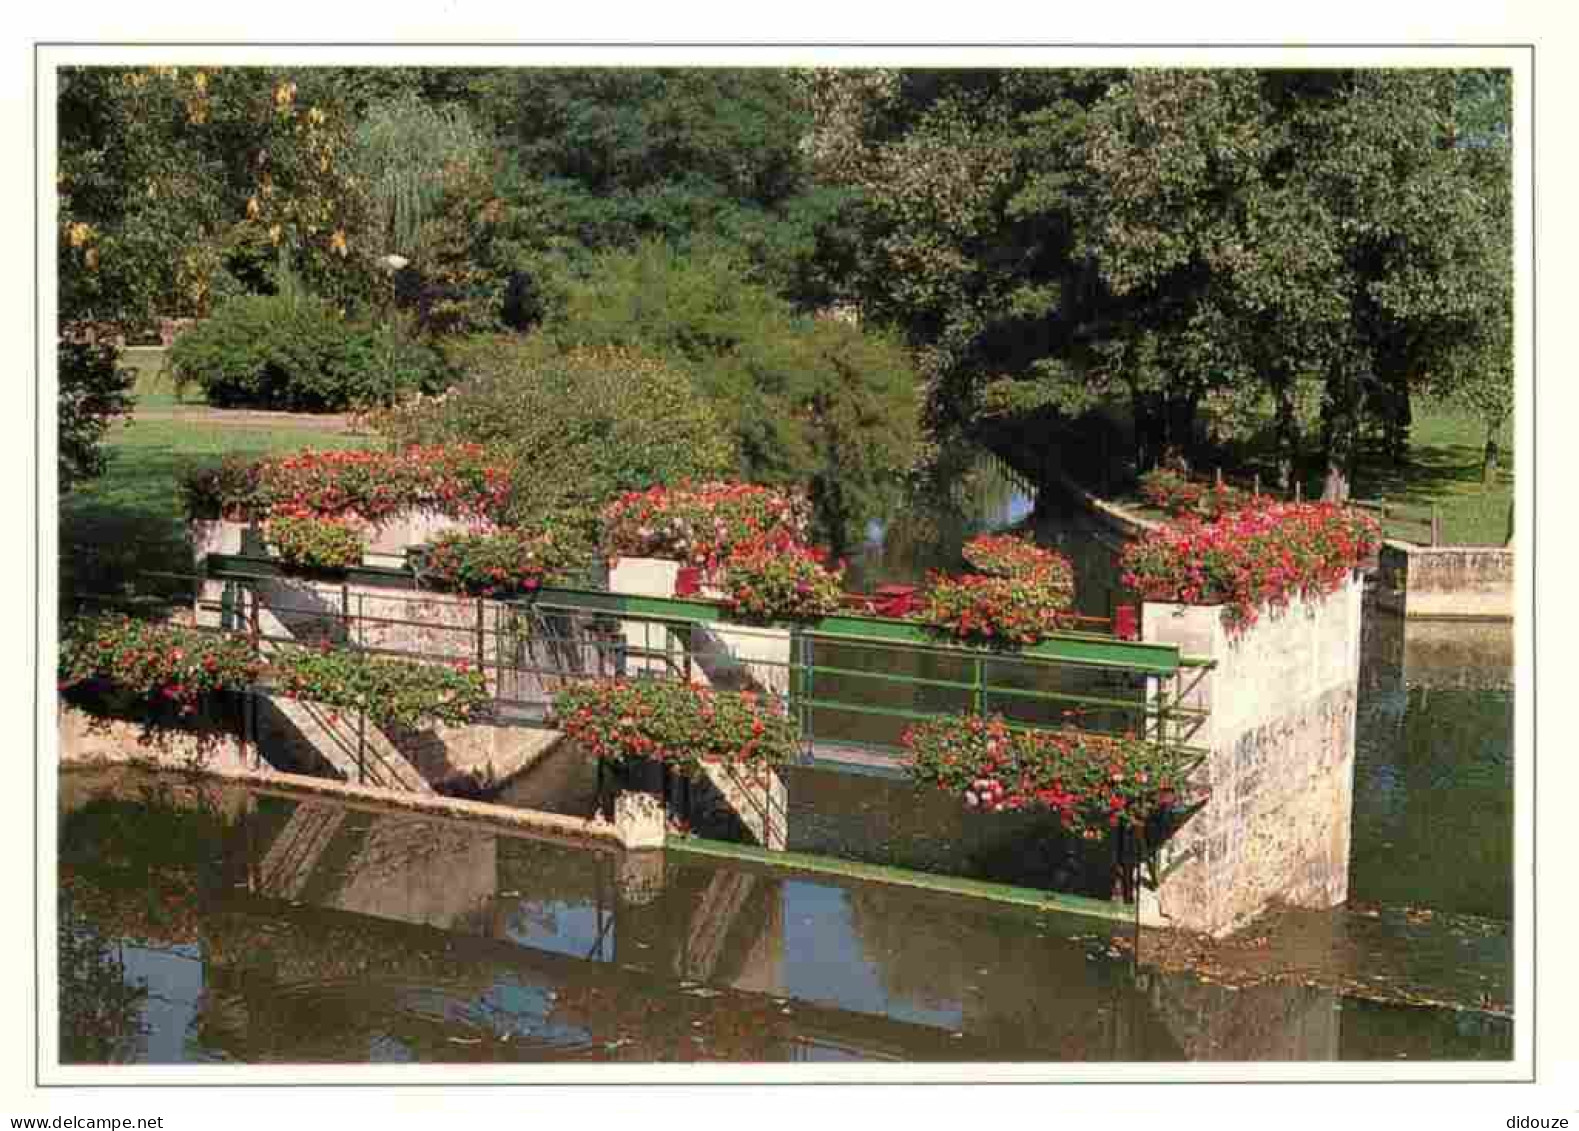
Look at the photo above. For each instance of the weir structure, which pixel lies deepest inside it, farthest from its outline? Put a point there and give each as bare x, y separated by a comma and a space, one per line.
1268, 714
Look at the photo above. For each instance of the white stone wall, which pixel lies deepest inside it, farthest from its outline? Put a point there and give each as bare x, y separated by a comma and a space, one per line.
1281, 768
1447, 582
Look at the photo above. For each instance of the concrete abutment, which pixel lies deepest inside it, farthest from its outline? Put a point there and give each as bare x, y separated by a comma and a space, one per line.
1279, 733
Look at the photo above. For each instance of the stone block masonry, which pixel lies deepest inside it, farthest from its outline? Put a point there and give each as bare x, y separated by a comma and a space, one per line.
1280, 769
1447, 582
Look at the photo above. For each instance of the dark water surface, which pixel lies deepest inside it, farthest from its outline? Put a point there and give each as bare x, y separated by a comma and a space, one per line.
210, 923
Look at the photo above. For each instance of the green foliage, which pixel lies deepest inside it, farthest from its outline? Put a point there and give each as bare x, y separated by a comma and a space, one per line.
155, 661
676, 154
94, 392
1170, 236
574, 428
403, 692
408, 153
678, 724
309, 542
817, 404
172, 179
297, 352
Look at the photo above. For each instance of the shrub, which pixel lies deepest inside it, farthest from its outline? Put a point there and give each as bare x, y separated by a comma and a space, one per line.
1001, 611
504, 563
1257, 557
703, 524
763, 582
403, 692
1177, 494
159, 661
678, 724
307, 542
297, 352
1094, 782
94, 390
574, 429
820, 404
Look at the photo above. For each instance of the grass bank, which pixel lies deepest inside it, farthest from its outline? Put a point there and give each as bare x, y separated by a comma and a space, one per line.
116, 529
1443, 470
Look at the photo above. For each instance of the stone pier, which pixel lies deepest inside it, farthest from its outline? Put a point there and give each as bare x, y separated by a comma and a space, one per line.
730, 658
1280, 732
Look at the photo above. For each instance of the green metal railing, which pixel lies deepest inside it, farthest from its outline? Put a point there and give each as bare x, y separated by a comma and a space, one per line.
851, 681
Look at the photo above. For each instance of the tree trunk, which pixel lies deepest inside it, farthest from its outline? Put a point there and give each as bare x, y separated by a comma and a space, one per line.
1490, 459
1340, 429
1149, 433
1287, 437
1336, 487
1179, 425
1400, 416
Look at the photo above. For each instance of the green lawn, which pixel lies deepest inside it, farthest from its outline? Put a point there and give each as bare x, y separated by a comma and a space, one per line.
154, 386
116, 529
1444, 468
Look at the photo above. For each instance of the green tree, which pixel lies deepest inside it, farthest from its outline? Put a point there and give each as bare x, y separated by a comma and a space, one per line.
94, 391
1167, 236
179, 187
813, 402
626, 154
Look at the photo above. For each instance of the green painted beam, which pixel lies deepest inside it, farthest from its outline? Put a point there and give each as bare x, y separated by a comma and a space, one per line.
1083, 649
255, 567
903, 877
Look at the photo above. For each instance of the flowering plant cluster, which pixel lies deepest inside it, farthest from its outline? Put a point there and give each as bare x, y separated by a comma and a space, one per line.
1008, 555
162, 662
504, 563
994, 610
1257, 557
1094, 782
304, 541
703, 524
404, 692
458, 479
679, 724
1177, 494
763, 582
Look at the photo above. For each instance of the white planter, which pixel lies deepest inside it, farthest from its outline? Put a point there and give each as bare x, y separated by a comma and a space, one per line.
415, 528
644, 577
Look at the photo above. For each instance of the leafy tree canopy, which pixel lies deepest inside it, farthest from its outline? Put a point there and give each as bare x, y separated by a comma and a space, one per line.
818, 403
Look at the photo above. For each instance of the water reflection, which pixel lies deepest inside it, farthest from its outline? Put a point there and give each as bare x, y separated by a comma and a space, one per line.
352, 936
1434, 766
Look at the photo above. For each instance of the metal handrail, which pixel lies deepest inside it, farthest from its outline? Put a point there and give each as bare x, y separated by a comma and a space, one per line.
482, 641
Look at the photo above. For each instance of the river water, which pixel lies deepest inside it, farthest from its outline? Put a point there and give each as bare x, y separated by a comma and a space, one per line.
207, 922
